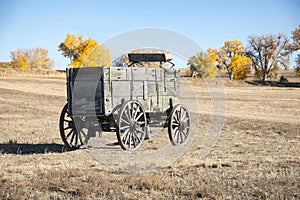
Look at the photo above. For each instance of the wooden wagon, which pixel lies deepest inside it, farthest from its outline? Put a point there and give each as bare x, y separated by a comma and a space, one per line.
127, 100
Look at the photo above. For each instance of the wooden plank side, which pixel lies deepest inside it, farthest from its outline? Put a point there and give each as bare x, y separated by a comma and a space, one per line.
87, 89
87, 106
86, 74
119, 85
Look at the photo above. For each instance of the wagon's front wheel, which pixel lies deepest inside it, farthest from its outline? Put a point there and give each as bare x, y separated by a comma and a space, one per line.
72, 136
132, 125
179, 125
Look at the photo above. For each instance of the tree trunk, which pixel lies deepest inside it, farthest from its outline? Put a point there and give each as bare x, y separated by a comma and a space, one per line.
230, 73
265, 76
193, 73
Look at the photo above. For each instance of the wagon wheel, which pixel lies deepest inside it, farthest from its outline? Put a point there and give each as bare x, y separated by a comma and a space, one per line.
179, 125
68, 131
132, 124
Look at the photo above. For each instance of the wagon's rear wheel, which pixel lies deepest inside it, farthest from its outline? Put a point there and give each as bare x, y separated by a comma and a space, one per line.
179, 125
72, 136
132, 124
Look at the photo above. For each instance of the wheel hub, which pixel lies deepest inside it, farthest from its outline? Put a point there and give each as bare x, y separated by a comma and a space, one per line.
182, 125
133, 125
71, 124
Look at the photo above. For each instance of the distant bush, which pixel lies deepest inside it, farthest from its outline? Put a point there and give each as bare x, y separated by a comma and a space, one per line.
283, 79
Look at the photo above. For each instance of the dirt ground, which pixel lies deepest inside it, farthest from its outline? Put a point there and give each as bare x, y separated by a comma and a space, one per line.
257, 155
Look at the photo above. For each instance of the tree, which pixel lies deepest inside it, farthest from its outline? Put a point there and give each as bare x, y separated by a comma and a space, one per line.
19, 58
99, 56
241, 66
297, 70
39, 59
79, 51
295, 46
34, 58
230, 49
203, 64
268, 53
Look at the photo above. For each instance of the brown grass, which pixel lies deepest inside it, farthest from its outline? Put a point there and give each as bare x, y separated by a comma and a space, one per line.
256, 157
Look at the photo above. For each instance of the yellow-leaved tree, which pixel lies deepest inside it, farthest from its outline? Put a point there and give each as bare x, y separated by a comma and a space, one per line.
231, 56
84, 52
241, 66
227, 52
19, 58
34, 58
203, 63
99, 56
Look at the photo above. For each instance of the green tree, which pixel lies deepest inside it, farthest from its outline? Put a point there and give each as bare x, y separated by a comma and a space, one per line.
268, 53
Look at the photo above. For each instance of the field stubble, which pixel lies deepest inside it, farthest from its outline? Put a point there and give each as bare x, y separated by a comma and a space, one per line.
256, 157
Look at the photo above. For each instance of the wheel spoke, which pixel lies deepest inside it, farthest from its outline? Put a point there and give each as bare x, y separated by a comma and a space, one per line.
80, 137
183, 115
181, 138
135, 112
174, 123
177, 118
175, 128
124, 134
141, 123
71, 131
177, 136
126, 114
130, 136
126, 122
185, 120
129, 115
139, 116
72, 138
124, 127
69, 121
127, 137
135, 138
76, 139
68, 127
183, 132
140, 132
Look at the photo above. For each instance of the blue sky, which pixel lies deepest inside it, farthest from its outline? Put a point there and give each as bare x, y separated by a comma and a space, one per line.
36, 23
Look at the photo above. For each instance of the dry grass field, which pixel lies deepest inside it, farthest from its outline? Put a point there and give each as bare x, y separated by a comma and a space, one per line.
256, 157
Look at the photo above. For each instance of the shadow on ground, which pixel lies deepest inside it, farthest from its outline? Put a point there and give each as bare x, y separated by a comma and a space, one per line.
275, 83
23, 149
